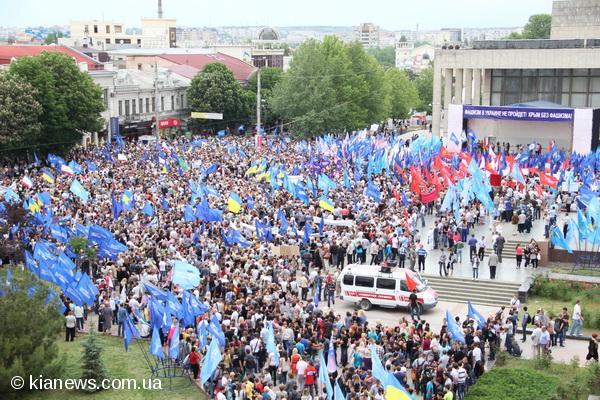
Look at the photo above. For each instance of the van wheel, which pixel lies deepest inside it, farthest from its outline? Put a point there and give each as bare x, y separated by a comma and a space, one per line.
420, 307
365, 304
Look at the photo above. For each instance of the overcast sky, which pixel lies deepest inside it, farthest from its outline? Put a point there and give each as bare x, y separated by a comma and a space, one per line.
389, 14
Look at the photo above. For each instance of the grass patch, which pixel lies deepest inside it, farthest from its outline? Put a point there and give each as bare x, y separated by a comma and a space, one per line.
130, 365
553, 295
525, 379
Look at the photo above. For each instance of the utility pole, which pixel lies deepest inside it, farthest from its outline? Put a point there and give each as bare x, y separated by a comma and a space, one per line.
156, 99
258, 102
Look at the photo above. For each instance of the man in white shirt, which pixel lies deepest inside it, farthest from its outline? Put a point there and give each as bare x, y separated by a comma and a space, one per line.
535, 340
544, 340
301, 368
577, 325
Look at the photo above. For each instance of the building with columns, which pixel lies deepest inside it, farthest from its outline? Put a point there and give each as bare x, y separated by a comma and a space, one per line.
564, 72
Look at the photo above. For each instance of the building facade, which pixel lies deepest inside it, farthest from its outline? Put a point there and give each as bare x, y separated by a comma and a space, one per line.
557, 71
107, 35
368, 35
575, 19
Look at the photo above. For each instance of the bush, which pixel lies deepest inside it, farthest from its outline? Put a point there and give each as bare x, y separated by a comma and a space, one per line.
593, 370
513, 384
543, 363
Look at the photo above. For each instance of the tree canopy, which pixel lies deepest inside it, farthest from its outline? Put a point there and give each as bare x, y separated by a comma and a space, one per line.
386, 56
538, 27
19, 112
215, 89
402, 96
424, 84
71, 101
330, 86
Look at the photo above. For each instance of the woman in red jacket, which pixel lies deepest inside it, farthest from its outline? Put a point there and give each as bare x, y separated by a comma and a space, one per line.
519, 255
194, 359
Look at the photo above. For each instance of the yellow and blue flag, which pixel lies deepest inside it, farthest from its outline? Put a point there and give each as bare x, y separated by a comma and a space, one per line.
234, 203
326, 204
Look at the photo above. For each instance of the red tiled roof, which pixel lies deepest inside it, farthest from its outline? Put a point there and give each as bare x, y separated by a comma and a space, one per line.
240, 69
7, 53
186, 71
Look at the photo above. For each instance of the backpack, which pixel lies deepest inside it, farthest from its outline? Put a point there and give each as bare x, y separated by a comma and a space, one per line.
528, 318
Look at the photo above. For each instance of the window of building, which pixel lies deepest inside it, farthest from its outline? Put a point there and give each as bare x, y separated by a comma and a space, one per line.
126, 108
348, 279
107, 40
148, 104
118, 29
107, 28
141, 106
133, 107
162, 103
579, 84
182, 102
139, 41
364, 281
120, 107
383, 283
95, 28
172, 102
139, 66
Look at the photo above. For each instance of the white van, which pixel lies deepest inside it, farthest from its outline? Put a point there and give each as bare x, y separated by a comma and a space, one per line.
368, 285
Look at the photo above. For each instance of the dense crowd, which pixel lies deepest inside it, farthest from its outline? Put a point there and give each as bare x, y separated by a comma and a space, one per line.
247, 285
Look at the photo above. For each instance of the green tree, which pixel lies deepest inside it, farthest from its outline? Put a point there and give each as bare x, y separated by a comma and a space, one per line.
269, 78
402, 96
19, 112
215, 89
71, 101
386, 56
424, 85
29, 331
324, 91
86, 253
369, 85
52, 37
538, 27
92, 365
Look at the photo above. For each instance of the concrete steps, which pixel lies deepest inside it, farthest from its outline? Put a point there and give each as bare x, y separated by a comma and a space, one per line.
508, 251
483, 292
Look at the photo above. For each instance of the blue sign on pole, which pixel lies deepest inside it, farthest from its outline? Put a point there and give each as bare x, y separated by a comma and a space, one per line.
114, 126
519, 113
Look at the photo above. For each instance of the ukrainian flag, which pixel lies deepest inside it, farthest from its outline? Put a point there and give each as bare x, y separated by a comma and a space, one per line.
47, 176
234, 203
392, 393
326, 204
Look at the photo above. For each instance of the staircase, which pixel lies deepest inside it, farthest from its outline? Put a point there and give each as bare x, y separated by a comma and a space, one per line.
459, 290
508, 251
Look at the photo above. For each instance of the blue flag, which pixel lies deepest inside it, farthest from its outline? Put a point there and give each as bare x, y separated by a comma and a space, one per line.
475, 315
148, 209
78, 190
185, 275
454, 330
307, 232
211, 361
129, 332
324, 376
283, 223
373, 192
155, 344
117, 208
270, 340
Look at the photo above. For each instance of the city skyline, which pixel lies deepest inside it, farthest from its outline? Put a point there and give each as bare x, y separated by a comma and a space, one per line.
428, 14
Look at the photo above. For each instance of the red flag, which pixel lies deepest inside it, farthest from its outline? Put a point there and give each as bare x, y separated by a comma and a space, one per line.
429, 197
410, 282
548, 180
396, 194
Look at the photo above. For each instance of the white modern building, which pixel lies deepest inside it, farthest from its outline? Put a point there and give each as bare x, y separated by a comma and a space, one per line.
562, 74
368, 35
414, 58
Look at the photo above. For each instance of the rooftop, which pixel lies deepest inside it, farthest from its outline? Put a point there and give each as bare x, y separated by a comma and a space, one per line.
536, 44
8, 53
240, 69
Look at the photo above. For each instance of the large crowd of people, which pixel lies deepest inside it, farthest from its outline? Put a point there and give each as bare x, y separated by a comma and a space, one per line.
247, 285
